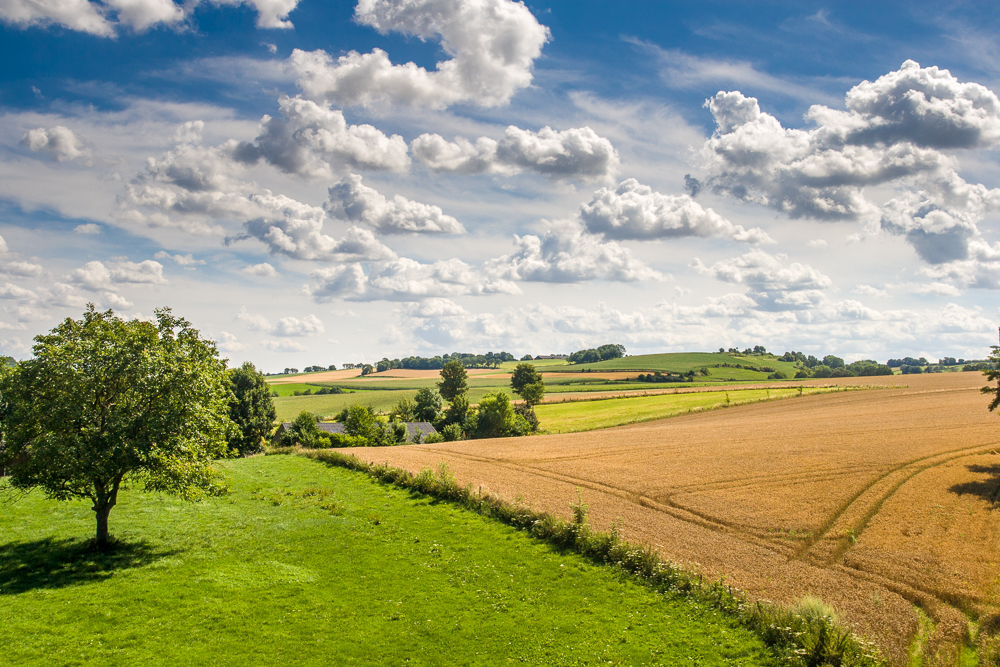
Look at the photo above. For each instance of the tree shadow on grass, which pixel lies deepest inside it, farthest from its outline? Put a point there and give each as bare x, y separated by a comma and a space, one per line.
58, 563
987, 489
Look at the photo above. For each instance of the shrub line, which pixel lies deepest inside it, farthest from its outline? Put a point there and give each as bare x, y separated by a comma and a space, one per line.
807, 634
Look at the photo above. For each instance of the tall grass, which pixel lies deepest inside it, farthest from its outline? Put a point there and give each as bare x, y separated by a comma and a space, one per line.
807, 634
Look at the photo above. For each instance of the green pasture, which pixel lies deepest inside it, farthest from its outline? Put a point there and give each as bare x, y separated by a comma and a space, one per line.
604, 413
328, 405
305, 564
681, 362
290, 388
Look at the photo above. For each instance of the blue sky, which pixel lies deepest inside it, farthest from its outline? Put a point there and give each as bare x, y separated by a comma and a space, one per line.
329, 182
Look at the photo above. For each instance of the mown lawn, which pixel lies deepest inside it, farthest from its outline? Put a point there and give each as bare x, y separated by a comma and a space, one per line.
587, 415
304, 564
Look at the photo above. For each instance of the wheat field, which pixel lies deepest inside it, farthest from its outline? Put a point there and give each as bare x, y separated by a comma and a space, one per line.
879, 501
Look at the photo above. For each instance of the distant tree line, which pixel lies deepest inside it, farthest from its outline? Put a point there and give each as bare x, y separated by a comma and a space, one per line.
756, 350
488, 360
593, 355
657, 376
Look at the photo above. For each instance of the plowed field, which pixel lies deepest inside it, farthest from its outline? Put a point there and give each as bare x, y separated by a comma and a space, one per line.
876, 501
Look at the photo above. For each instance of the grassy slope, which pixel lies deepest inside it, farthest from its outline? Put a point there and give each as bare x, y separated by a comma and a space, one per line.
680, 362
590, 415
329, 405
309, 565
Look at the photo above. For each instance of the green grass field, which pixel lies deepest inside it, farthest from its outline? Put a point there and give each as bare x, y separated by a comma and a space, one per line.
328, 405
305, 564
590, 415
680, 362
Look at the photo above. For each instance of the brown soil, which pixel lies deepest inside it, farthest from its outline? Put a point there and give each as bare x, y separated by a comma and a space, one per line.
873, 500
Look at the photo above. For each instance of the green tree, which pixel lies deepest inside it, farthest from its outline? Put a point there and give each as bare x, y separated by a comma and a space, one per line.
304, 431
106, 401
454, 380
404, 410
527, 383
458, 411
992, 374
250, 409
495, 418
428, 405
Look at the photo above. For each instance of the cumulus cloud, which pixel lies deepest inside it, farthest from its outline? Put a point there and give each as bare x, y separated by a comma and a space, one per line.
354, 202
302, 238
105, 18
285, 327
568, 254
61, 143
405, 279
313, 140
117, 301
492, 44
636, 211
574, 153
21, 269
88, 228
183, 260
981, 268
12, 291
283, 346
227, 342
773, 285
262, 270
96, 276
892, 134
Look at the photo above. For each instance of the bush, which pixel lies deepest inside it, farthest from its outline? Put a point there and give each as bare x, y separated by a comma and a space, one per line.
345, 440
449, 433
427, 405
496, 418
822, 371
527, 412
777, 375
405, 410
843, 372
802, 373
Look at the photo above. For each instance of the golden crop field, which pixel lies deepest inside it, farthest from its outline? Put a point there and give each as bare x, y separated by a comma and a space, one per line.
879, 502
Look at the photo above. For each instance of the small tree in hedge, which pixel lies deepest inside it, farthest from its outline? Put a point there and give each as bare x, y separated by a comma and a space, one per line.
993, 375
454, 380
250, 409
428, 405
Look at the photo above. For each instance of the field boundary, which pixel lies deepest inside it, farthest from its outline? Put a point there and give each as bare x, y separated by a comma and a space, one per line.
794, 636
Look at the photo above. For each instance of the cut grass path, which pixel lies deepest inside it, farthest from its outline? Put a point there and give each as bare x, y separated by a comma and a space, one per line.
309, 565
584, 415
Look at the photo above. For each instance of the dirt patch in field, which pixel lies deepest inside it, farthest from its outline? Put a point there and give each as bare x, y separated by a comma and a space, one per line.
873, 500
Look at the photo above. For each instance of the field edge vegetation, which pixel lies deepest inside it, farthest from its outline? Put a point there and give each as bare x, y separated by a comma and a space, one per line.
805, 634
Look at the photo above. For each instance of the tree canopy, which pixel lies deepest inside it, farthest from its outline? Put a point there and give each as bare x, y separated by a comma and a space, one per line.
250, 409
454, 380
105, 401
993, 375
527, 383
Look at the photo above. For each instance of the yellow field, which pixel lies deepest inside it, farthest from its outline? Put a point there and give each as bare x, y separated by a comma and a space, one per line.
876, 501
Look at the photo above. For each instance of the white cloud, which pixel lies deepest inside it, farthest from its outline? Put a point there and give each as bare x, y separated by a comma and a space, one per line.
635, 211
21, 269
492, 44
292, 326
262, 270
405, 279
285, 327
284, 345
78, 15
817, 243
434, 308
3, 246
103, 19
869, 290
891, 135
117, 301
96, 276
354, 202
568, 254
574, 153
88, 228
302, 238
183, 260
773, 285
61, 143
313, 140
12, 291
227, 342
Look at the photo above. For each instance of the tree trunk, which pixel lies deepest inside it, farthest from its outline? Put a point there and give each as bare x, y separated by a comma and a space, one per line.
102, 508
102, 524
